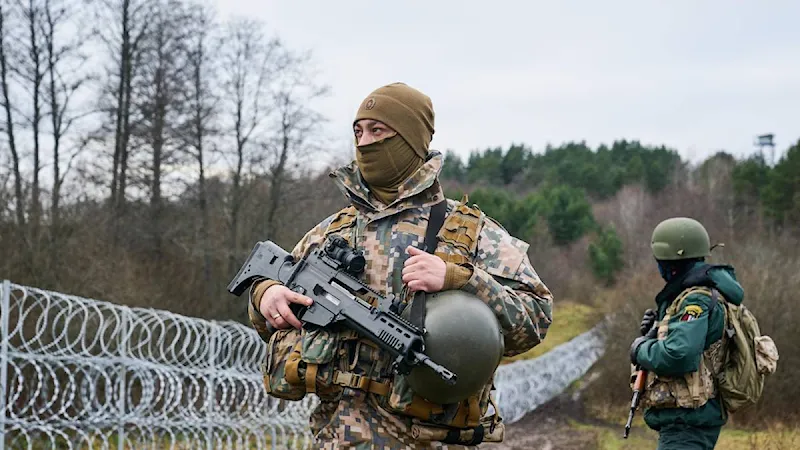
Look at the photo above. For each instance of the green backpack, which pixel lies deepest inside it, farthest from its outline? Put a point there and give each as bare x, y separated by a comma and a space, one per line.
748, 357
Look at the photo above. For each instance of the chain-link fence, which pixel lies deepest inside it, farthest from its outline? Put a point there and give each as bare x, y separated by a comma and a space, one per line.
82, 373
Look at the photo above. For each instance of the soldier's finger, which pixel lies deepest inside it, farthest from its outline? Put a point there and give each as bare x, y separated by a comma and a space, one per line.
413, 260
411, 276
414, 251
279, 322
417, 265
269, 315
418, 285
288, 315
295, 297
413, 269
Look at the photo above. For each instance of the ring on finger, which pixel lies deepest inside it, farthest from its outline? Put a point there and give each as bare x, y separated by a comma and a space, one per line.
276, 315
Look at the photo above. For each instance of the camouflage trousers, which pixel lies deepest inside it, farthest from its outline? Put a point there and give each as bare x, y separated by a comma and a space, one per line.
357, 422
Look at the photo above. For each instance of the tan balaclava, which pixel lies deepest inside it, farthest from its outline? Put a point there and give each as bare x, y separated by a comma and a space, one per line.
387, 163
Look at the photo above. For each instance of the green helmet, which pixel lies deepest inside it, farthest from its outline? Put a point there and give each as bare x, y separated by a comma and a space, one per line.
680, 238
463, 335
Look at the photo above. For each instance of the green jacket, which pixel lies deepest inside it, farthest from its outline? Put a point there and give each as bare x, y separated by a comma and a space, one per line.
683, 347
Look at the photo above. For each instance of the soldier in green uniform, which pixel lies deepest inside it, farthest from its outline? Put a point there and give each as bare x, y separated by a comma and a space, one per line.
682, 352
392, 189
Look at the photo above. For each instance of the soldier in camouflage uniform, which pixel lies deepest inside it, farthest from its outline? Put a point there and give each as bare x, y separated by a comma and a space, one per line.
683, 351
391, 187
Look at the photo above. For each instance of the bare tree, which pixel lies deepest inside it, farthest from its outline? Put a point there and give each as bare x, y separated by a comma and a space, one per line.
297, 125
8, 109
65, 59
158, 99
200, 126
250, 61
128, 23
30, 68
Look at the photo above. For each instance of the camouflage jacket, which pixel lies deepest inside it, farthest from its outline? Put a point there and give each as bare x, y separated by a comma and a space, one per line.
501, 272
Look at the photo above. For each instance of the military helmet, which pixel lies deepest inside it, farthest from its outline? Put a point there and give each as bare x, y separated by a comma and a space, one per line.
463, 335
680, 238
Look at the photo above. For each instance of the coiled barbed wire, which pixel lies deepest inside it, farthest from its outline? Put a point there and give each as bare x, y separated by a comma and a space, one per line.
83, 373
524, 385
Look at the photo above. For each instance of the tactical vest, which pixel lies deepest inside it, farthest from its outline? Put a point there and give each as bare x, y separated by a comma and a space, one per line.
296, 365
690, 390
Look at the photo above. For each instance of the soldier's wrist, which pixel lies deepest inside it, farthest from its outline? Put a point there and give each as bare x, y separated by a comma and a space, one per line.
456, 276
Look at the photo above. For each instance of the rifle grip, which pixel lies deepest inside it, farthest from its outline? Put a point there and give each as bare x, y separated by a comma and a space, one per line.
296, 308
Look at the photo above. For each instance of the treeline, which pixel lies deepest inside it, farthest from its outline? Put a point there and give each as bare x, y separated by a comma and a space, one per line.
549, 195
599, 172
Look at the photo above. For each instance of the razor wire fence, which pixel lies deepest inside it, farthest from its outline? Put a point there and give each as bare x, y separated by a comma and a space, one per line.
89, 374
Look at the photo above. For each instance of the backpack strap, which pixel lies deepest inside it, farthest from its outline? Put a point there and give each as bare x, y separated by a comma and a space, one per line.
435, 222
714, 300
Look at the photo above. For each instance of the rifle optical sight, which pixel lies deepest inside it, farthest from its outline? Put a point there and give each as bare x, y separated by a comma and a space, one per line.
352, 260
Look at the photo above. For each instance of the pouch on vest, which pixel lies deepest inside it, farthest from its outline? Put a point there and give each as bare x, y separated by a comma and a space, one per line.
300, 362
468, 413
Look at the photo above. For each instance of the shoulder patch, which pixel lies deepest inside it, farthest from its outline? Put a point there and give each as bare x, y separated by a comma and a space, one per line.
691, 312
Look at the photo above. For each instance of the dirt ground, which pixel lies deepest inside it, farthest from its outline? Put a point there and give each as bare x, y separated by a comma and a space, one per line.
562, 424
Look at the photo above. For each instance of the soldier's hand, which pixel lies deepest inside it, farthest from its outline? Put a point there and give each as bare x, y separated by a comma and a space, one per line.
648, 320
423, 271
275, 306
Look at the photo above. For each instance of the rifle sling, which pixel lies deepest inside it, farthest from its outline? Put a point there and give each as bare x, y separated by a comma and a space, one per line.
435, 222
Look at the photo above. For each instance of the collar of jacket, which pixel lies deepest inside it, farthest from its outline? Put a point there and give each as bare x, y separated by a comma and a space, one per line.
693, 276
420, 189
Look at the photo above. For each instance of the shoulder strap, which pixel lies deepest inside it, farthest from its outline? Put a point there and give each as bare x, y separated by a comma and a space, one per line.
435, 221
714, 300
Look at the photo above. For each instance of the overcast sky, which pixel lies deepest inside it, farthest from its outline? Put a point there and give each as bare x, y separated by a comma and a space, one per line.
696, 76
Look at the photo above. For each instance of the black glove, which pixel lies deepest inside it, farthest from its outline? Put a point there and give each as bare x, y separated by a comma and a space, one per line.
651, 334
648, 320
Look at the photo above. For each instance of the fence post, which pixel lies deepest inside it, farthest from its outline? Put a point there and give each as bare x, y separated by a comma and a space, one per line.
122, 347
4, 319
211, 396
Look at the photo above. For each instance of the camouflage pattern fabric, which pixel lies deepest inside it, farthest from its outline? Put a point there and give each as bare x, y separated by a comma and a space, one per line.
501, 274
357, 422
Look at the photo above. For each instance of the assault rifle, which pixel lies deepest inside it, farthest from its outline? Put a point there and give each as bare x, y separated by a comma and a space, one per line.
328, 276
638, 389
